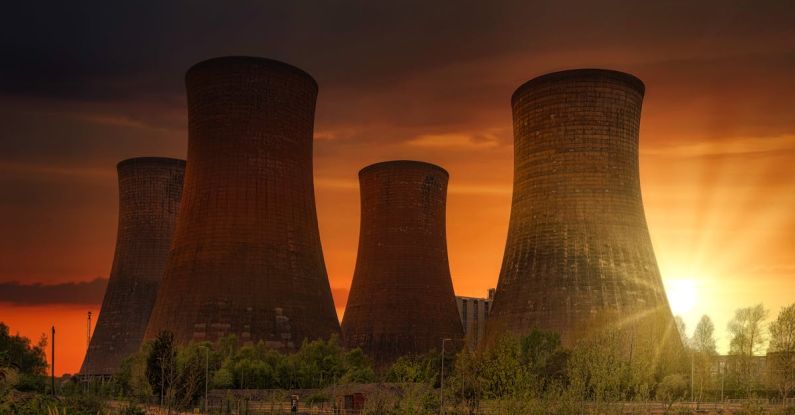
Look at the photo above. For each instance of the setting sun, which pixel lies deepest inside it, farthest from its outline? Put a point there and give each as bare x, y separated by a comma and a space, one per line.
682, 294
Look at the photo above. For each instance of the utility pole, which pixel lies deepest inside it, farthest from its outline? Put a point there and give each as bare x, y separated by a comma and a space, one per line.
88, 346
88, 332
52, 359
441, 381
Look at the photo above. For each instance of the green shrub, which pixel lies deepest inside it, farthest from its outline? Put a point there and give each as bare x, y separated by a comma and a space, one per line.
132, 409
27, 382
83, 405
672, 389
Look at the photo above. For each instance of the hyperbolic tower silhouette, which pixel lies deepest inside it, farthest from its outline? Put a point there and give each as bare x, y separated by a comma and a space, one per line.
401, 299
246, 258
149, 195
578, 254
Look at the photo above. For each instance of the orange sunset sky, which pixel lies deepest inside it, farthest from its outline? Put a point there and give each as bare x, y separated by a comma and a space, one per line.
84, 86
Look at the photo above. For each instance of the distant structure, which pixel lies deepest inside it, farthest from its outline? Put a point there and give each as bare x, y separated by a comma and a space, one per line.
401, 300
578, 256
246, 259
149, 196
474, 313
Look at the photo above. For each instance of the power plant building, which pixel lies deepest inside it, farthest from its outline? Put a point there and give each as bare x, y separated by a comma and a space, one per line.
247, 259
578, 256
474, 314
149, 198
401, 300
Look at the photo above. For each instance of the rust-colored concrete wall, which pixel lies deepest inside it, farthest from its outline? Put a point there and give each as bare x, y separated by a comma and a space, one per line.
578, 248
247, 258
401, 300
149, 195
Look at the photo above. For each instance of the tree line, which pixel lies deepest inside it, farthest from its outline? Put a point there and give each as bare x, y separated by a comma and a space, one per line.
634, 362
743, 373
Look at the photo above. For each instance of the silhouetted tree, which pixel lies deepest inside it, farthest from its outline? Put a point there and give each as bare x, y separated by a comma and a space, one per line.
781, 353
19, 353
161, 365
748, 335
27, 360
132, 379
705, 350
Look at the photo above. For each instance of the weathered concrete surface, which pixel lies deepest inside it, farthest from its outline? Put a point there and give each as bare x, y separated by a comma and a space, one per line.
149, 196
247, 258
401, 300
578, 254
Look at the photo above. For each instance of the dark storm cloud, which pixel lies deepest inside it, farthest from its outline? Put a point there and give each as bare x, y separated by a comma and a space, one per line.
388, 70
113, 50
84, 292
92, 82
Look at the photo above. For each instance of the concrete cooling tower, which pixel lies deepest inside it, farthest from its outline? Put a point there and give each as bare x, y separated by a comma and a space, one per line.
401, 300
578, 255
246, 258
149, 195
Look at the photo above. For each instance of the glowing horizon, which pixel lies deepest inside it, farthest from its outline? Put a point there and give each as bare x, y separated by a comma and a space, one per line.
405, 81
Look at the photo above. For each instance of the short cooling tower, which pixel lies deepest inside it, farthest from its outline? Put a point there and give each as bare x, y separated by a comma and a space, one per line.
246, 258
578, 257
401, 300
149, 195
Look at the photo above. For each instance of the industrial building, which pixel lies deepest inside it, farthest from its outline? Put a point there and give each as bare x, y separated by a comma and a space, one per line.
149, 198
246, 258
401, 300
578, 256
474, 313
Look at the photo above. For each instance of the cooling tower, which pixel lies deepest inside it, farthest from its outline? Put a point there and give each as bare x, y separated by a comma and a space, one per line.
578, 257
246, 258
149, 192
401, 300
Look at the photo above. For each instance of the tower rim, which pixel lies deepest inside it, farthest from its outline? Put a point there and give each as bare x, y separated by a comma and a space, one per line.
401, 164
627, 78
252, 60
162, 161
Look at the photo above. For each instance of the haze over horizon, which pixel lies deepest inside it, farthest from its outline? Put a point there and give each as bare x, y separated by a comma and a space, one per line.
83, 86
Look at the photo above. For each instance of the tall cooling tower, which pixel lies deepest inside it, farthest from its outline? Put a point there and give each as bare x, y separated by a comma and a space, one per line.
149, 194
246, 258
578, 255
401, 300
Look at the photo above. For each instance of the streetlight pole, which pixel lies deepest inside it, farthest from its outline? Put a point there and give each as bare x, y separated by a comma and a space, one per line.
441, 381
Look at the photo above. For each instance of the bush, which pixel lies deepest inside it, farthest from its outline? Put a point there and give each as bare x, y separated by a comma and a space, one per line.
19, 403
132, 409
9, 378
19, 353
223, 379
673, 388
27, 382
790, 410
83, 405
131, 379
416, 368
